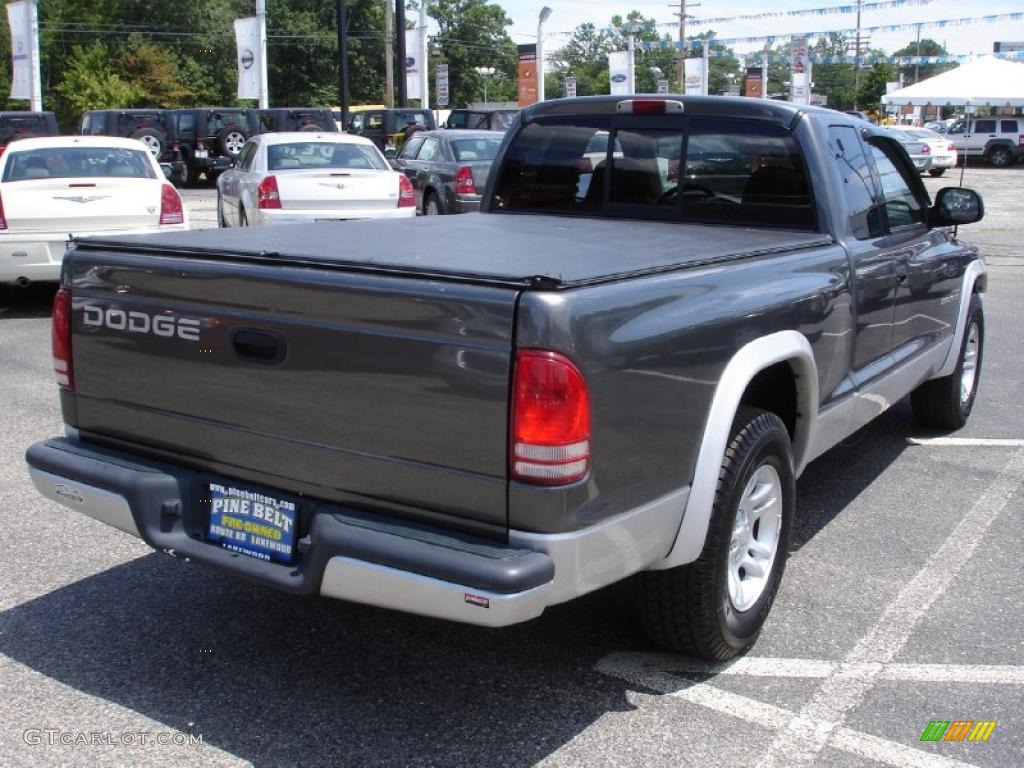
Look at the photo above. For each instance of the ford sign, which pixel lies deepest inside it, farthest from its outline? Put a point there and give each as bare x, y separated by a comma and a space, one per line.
619, 78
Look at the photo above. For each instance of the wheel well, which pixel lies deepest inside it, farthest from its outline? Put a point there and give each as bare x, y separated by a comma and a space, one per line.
774, 389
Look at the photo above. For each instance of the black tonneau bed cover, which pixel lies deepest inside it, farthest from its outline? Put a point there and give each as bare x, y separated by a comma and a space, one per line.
544, 251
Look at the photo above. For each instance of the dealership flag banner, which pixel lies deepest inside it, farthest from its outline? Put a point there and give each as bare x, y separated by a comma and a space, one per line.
413, 76
694, 77
618, 72
800, 72
247, 35
19, 16
442, 85
527, 74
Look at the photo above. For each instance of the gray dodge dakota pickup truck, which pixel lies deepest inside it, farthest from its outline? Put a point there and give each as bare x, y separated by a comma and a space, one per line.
667, 307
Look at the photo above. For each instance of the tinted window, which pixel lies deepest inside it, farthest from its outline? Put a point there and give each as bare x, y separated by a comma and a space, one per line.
17, 127
985, 126
745, 172
323, 154
847, 152
902, 208
429, 150
404, 116
467, 150
187, 124
1008, 126
78, 162
410, 147
246, 156
268, 121
220, 120
734, 171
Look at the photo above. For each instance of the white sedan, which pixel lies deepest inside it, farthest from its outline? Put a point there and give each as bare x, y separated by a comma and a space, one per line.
939, 148
304, 176
59, 187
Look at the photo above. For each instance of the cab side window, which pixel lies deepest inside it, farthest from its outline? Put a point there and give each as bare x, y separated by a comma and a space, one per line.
902, 206
410, 148
429, 150
847, 153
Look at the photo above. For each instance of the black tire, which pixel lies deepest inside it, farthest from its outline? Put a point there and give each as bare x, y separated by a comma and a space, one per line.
936, 172
221, 221
946, 403
431, 206
230, 140
688, 609
243, 220
1000, 157
154, 140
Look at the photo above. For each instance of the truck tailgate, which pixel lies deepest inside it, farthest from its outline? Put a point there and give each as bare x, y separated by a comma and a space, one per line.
345, 385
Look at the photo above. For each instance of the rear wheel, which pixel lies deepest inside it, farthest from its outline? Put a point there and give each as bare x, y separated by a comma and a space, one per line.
152, 138
936, 172
946, 403
715, 606
221, 221
999, 157
243, 220
231, 140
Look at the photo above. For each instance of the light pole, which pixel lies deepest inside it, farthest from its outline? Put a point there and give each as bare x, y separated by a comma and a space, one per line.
485, 73
545, 12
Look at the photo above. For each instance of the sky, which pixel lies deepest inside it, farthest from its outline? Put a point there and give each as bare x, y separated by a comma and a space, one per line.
974, 38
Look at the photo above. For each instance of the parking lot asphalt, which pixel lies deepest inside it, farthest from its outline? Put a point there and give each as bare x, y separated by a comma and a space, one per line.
900, 606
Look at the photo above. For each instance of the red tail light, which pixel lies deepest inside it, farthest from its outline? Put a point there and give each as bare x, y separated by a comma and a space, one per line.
464, 183
3, 219
952, 146
926, 150
171, 211
267, 195
550, 430
200, 144
60, 337
1020, 140
406, 194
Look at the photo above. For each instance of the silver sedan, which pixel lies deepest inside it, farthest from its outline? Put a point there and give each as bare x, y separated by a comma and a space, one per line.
308, 176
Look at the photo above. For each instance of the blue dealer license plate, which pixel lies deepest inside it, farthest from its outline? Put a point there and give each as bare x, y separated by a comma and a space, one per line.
252, 523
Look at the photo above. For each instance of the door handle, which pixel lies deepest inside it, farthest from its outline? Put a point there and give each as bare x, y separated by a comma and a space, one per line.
255, 345
901, 273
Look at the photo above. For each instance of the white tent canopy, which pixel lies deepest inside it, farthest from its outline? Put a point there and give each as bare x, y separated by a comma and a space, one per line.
980, 82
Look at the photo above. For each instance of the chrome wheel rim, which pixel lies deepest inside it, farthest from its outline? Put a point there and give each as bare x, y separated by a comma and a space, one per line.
152, 144
969, 371
754, 542
234, 142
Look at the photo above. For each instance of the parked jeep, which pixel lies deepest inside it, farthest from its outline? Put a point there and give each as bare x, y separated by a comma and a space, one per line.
209, 139
999, 140
150, 126
387, 127
296, 119
25, 125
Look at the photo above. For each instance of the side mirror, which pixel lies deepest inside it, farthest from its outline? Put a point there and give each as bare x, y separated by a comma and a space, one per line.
390, 153
955, 206
168, 170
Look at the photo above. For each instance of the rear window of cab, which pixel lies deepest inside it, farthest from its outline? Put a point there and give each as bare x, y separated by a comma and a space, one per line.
718, 170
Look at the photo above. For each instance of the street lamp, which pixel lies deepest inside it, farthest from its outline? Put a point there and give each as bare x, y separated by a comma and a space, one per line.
485, 73
545, 12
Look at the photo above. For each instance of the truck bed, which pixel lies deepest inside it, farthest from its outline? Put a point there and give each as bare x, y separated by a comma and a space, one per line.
498, 249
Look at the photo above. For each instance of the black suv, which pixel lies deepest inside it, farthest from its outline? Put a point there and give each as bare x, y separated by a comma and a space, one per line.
150, 126
297, 119
481, 119
25, 125
210, 138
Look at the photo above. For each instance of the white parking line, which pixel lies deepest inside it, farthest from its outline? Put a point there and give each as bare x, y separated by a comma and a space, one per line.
844, 690
763, 666
967, 442
645, 673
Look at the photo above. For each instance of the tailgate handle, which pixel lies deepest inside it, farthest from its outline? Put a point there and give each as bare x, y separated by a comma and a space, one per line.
258, 346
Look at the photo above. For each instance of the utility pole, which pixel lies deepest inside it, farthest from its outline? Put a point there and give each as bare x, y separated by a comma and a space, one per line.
403, 100
423, 55
261, 15
343, 62
917, 64
681, 74
856, 61
389, 55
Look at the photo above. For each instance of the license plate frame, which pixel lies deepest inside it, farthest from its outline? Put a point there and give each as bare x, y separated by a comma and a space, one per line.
251, 522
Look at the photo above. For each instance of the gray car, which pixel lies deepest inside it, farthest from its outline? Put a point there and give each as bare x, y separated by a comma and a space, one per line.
448, 168
919, 151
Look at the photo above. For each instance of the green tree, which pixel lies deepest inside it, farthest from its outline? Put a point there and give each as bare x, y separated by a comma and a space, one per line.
914, 73
90, 82
153, 68
872, 85
471, 34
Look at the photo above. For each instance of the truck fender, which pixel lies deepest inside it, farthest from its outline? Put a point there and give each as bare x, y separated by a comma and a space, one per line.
975, 274
785, 346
